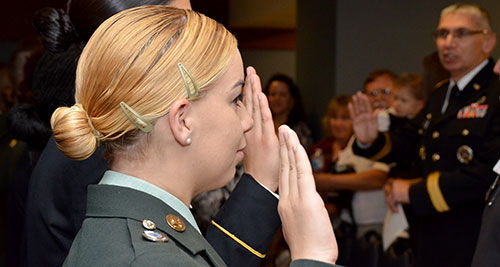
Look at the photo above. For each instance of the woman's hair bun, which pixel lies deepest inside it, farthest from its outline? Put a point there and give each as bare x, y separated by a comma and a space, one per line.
55, 28
73, 132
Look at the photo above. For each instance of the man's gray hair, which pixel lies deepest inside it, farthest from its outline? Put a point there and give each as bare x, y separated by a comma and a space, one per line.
480, 15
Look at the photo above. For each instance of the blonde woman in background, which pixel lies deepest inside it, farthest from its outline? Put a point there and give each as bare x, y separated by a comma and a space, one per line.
162, 88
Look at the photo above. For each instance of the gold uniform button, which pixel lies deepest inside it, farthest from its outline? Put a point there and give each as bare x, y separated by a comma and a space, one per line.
465, 132
421, 152
150, 225
435, 157
476, 86
12, 143
428, 116
420, 131
435, 135
176, 223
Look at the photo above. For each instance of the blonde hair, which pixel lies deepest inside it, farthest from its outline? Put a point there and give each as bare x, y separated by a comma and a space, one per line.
132, 57
479, 14
337, 104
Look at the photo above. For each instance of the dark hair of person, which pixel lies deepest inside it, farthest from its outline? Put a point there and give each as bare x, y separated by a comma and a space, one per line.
63, 34
52, 85
337, 104
60, 29
377, 73
413, 82
297, 114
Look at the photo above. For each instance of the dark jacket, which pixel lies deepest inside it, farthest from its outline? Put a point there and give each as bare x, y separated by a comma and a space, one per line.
457, 151
488, 244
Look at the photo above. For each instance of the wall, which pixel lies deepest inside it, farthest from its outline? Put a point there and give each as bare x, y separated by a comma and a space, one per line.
388, 33
316, 57
268, 62
263, 14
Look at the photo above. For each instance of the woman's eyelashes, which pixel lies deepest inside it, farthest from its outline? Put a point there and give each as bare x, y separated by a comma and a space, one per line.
238, 100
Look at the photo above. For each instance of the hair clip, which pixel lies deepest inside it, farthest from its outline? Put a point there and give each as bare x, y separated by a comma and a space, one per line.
183, 69
140, 122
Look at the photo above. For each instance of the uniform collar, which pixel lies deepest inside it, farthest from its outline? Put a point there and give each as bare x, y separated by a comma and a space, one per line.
120, 179
111, 201
462, 83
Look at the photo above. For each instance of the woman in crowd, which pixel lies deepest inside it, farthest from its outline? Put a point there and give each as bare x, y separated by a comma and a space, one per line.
287, 108
161, 88
357, 180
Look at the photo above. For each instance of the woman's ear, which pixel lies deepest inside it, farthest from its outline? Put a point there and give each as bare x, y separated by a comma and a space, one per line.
180, 121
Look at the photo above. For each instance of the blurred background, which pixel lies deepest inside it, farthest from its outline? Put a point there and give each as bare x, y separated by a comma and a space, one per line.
327, 46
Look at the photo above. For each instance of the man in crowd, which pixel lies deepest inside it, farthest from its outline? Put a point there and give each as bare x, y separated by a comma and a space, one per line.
379, 87
456, 137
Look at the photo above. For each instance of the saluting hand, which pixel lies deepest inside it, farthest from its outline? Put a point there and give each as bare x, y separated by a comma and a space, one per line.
262, 151
306, 226
364, 119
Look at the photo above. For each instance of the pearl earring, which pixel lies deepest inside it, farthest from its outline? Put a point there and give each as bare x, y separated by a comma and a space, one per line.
188, 140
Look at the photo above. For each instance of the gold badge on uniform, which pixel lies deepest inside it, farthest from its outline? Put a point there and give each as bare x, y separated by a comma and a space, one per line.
154, 236
150, 225
465, 154
176, 223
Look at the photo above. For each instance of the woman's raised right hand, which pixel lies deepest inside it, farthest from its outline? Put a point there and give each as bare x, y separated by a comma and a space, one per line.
306, 225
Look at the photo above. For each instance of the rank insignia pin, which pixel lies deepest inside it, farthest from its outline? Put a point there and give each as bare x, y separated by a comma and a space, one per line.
154, 236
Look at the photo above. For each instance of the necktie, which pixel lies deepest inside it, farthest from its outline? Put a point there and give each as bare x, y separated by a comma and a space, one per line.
449, 94
454, 91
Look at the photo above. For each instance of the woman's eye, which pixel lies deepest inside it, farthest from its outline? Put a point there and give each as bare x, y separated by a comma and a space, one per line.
237, 100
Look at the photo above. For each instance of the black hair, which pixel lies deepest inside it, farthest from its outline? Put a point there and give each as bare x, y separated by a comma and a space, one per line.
63, 34
52, 85
297, 114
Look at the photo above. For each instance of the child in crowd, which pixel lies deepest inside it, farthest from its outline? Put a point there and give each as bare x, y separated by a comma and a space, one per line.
409, 95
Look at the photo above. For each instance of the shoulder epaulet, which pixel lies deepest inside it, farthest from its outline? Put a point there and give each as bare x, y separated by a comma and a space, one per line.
440, 83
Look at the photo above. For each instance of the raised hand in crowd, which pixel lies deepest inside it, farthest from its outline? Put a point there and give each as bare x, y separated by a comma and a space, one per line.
364, 118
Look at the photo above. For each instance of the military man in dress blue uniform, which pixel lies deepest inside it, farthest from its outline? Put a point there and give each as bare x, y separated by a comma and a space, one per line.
456, 137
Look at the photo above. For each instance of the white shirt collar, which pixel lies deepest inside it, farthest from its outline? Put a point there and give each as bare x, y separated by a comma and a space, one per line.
468, 77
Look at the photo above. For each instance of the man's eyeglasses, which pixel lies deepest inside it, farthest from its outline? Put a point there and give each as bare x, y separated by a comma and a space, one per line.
383, 91
458, 34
